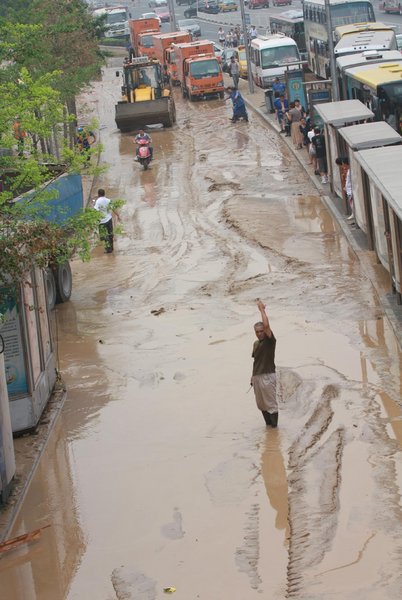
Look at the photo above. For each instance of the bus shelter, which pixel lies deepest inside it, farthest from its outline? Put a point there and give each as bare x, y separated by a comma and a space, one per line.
336, 115
363, 137
381, 182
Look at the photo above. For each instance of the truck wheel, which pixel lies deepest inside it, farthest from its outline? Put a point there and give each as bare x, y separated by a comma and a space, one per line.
183, 92
190, 96
64, 282
50, 288
221, 95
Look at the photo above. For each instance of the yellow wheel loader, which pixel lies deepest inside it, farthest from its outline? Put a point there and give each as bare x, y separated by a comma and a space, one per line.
146, 98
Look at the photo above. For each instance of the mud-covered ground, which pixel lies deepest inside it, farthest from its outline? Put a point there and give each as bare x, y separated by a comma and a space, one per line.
161, 471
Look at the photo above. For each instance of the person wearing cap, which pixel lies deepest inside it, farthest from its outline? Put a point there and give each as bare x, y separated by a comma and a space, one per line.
102, 205
234, 70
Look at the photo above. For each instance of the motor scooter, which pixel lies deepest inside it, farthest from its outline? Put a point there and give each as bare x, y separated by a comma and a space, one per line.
144, 154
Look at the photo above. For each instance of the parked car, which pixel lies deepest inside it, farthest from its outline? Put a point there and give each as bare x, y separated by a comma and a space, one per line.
227, 5
189, 2
157, 3
191, 26
191, 11
240, 54
281, 2
151, 15
211, 7
164, 14
258, 4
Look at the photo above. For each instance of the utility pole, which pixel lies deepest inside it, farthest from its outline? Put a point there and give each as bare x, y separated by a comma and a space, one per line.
247, 46
173, 23
332, 64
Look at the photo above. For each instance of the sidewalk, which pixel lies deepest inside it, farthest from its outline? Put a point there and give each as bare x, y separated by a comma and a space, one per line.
374, 271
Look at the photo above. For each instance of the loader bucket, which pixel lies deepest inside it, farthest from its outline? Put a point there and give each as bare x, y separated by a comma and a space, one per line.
136, 115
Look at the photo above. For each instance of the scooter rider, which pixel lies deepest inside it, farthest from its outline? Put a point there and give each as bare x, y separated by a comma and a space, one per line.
143, 137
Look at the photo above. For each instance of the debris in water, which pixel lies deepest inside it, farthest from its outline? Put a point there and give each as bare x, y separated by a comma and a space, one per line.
169, 590
32, 536
158, 312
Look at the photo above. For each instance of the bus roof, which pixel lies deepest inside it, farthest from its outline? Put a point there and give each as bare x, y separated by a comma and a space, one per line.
366, 40
290, 16
342, 30
272, 41
369, 57
374, 75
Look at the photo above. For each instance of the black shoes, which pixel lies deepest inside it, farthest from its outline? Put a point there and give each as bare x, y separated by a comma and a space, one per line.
271, 419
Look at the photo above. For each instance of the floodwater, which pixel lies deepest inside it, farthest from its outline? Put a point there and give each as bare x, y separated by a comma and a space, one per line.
161, 471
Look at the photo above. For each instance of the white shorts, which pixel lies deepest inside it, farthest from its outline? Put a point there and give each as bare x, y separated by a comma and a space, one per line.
265, 392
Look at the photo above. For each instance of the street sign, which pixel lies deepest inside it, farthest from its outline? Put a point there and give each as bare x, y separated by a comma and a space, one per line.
247, 18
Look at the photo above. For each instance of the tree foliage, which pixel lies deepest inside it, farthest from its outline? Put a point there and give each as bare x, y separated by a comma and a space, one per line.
48, 54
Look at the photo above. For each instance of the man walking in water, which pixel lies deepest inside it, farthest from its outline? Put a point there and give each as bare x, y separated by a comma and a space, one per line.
263, 378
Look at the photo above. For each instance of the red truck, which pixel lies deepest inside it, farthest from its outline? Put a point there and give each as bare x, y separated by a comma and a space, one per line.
198, 70
163, 43
141, 36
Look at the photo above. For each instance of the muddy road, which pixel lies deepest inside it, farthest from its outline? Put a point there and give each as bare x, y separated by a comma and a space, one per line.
160, 471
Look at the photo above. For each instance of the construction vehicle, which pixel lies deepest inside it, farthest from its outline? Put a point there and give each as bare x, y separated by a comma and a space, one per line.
146, 97
165, 54
141, 36
198, 69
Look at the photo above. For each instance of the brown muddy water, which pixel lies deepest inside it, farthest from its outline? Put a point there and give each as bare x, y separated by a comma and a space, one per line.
160, 471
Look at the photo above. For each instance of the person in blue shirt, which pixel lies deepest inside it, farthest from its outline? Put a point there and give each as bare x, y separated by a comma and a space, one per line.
239, 107
279, 87
281, 108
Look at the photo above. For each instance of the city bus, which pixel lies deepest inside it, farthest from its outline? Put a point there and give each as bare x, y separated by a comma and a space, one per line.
291, 24
365, 41
343, 12
343, 30
378, 86
271, 56
343, 63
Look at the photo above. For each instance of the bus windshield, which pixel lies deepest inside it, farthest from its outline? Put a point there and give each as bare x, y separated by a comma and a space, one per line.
351, 12
281, 55
204, 68
119, 17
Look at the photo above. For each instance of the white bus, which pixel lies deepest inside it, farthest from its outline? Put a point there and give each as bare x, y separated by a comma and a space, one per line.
343, 12
116, 21
270, 56
366, 41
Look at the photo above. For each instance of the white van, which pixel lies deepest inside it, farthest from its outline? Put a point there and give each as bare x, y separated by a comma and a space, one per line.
270, 56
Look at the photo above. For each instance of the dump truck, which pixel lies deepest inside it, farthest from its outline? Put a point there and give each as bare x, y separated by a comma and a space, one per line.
163, 43
146, 97
198, 69
141, 36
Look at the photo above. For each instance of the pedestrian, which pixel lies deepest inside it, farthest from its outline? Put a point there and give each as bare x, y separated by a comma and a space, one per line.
229, 39
221, 36
102, 204
235, 38
234, 71
311, 149
343, 171
85, 138
318, 142
295, 115
253, 32
304, 129
263, 378
279, 87
239, 107
348, 188
281, 107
